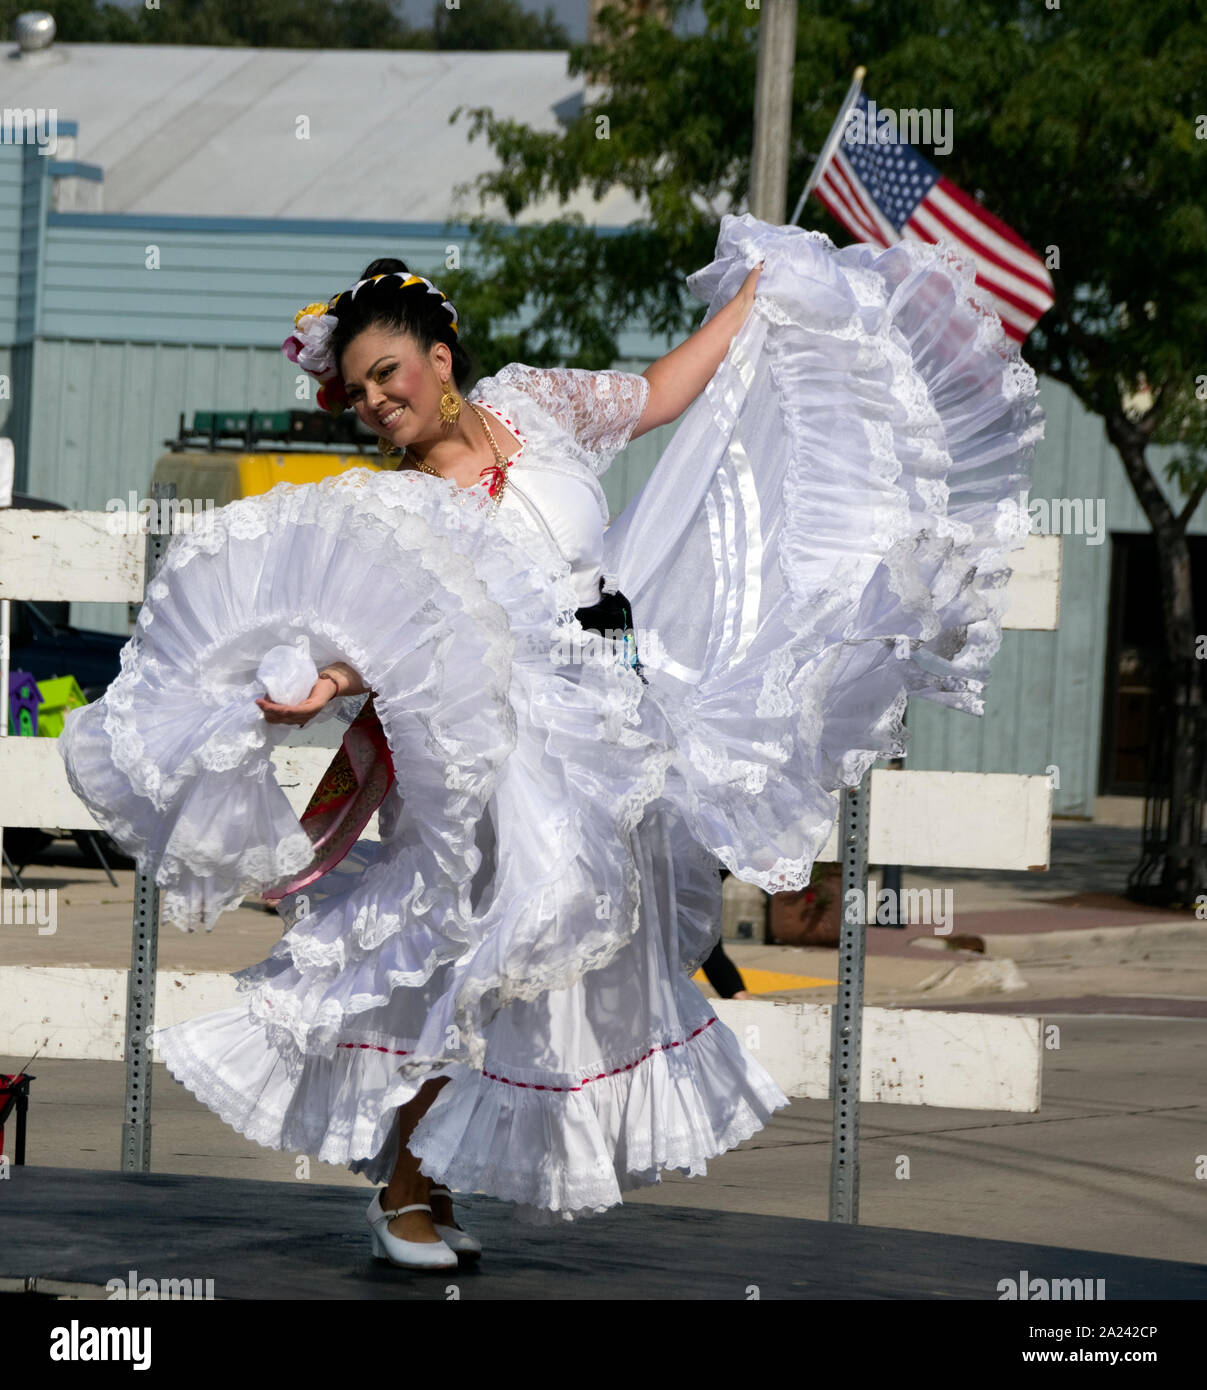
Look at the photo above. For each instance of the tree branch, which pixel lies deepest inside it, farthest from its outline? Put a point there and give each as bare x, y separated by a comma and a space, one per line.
1192, 502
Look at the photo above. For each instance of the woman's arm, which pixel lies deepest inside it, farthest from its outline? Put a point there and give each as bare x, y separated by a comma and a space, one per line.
678, 378
336, 678
348, 682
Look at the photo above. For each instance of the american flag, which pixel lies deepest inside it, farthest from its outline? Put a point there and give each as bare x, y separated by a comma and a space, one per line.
884, 193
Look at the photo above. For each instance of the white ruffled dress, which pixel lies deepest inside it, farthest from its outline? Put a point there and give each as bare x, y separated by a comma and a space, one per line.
826, 534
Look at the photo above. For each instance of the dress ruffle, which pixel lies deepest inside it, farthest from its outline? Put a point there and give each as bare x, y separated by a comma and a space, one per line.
174, 761
826, 534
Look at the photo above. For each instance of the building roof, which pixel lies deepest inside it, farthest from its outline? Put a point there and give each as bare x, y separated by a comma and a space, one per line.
215, 131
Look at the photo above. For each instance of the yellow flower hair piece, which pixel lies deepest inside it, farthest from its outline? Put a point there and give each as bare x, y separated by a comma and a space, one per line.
315, 309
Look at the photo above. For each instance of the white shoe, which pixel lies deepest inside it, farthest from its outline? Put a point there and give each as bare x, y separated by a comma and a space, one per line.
459, 1241
411, 1254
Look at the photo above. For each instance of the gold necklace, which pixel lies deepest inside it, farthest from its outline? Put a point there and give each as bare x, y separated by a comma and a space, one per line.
499, 467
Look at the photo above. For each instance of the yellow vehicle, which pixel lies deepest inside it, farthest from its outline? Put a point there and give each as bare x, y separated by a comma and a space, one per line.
227, 455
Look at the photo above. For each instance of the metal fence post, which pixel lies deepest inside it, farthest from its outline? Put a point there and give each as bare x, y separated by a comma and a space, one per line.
144, 948
846, 1019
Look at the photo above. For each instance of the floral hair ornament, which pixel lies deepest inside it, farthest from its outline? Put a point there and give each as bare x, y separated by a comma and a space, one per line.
309, 345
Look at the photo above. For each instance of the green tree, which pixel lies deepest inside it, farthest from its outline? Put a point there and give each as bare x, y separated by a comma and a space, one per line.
476, 24
673, 128
501, 24
1082, 127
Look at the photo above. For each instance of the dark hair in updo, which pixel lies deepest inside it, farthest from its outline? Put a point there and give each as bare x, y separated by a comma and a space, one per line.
414, 310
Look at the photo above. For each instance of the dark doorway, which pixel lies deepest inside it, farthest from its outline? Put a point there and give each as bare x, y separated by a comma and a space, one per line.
1133, 653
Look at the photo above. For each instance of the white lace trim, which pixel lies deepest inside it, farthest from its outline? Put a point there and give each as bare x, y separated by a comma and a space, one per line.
597, 411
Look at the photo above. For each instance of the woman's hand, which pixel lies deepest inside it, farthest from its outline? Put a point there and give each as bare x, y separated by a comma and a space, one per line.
336, 678
678, 377
746, 293
322, 692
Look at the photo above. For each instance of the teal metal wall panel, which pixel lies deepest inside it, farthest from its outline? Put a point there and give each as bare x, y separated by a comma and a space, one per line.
111, 287
31, 261
105, 409
164, 285
11, 200
16, 369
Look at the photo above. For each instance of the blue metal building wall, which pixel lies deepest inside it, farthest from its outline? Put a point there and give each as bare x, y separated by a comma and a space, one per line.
24, 197
11, 201
11, 190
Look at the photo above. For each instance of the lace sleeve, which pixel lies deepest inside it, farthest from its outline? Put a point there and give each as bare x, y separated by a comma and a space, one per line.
599, 410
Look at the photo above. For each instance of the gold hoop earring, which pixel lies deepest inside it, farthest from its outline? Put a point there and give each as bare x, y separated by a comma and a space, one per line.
388, 449
450, 407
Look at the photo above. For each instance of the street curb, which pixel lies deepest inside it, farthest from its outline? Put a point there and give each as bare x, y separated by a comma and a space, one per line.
1122, 942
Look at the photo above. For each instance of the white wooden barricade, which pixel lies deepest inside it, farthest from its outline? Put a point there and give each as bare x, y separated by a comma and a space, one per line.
930, 819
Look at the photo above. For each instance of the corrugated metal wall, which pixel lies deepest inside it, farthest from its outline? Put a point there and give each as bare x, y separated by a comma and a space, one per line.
212, 282
11, 199
24, 194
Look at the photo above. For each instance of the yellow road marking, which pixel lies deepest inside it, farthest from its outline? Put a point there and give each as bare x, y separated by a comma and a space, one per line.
771, 981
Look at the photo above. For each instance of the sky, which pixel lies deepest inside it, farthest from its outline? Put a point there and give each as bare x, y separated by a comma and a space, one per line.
571, 14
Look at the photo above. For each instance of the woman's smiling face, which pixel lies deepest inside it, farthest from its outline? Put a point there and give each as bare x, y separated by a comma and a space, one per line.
394, 386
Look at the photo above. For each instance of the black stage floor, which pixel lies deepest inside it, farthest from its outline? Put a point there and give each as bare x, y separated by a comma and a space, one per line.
62, 1227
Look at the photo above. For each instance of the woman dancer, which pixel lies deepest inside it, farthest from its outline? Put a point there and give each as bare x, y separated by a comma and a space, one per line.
495, 996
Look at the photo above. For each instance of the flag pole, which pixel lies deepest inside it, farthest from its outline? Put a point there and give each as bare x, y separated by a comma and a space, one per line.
832, 140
